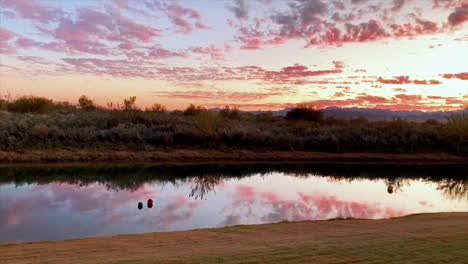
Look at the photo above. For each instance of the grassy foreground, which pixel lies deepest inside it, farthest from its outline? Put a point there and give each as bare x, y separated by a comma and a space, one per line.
427, 238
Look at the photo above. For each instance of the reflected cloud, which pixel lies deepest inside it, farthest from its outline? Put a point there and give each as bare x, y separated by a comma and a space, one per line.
231, 220
272, 207
178, 209
59, 211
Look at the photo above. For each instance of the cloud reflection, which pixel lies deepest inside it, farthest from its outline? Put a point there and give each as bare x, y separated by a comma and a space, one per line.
272, 207
63, 211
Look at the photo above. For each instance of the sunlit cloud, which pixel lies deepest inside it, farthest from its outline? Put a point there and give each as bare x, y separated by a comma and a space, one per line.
269, 54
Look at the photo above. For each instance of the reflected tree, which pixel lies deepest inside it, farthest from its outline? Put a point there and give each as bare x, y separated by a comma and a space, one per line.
396, 184
456, 189
202, 185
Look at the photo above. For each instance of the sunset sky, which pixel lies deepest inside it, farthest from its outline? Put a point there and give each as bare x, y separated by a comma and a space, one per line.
257, 54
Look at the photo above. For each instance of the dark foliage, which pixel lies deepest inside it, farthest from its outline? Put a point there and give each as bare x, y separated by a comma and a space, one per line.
32, 104
305, 113
230, 128
193, 110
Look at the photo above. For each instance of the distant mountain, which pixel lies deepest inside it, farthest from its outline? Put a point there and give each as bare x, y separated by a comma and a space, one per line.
371, 114
386, 115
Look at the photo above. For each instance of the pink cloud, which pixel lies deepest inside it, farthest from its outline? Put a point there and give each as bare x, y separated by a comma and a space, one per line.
369, 99
404, 102
212, 51
398, 5
217, 95
339, 64
93, 31
334, 23
34, 10
409, 98
461, 76
406, 80
185, 19
157, 52
26, 43
129, 29
142, 66
292, 73
240, 9
459, 16
34, 60
123, 4
5, 37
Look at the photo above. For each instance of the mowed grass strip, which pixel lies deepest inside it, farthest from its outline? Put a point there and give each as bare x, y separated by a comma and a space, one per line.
426, 238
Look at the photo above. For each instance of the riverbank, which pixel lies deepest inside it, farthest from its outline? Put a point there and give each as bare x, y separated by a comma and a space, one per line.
207, 155
425, 238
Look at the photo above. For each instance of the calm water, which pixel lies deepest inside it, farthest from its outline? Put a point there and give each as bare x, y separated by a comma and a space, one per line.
56, 203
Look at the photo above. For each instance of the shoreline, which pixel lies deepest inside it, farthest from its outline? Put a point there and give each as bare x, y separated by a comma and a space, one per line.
413, 237
206, 156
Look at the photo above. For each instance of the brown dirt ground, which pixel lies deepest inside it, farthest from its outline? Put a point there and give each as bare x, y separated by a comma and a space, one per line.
206, 155
427, 238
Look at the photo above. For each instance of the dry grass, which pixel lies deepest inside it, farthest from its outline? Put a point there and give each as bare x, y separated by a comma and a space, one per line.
429, 238
206, 155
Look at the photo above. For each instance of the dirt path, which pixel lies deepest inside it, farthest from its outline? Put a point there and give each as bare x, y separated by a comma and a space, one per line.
428, 238
209, 155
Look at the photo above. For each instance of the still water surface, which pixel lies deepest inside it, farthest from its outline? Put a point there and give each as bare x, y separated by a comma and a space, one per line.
57, 203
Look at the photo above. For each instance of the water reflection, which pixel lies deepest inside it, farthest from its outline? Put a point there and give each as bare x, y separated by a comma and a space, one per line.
39, 203
396, 184
456, 189
202, 185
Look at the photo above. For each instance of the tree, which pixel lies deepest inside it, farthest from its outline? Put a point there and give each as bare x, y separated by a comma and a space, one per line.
156, 108
207, 123
3, 104
130, 104
86, 104
457, 132
230, 113
303, 112
31, 104
193, 110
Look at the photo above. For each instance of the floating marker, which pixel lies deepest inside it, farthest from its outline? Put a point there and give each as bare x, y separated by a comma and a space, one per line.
140, 205
390, 189
150, 203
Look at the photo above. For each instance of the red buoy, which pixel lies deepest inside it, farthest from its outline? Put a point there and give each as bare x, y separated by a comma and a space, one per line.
150, 203
390, 189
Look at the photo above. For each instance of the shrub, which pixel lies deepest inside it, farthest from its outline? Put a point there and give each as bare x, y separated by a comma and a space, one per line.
41, 131
86, 104
3, 104
193, 110
457, 131
198, 127
129, 104
156, 108
31, 104
207, 123
230, 113
305, 113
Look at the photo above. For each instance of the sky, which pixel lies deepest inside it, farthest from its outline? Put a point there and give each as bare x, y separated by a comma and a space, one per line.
250, 54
